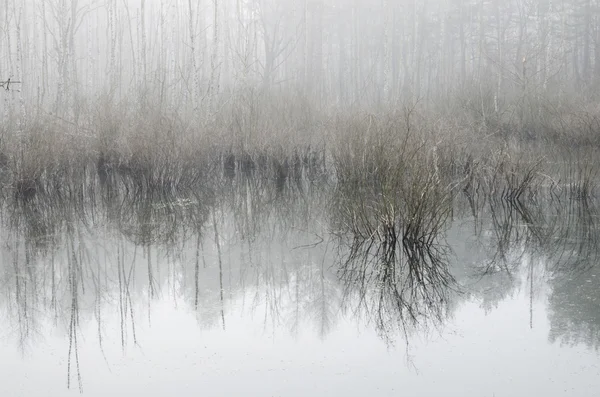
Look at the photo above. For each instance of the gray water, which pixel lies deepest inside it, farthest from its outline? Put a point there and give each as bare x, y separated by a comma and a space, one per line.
256, 291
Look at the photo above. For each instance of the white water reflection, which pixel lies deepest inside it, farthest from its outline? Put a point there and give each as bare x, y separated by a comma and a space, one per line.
222, 300
476, 355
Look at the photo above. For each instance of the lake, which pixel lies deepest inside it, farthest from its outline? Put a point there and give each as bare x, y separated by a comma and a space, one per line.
257, 287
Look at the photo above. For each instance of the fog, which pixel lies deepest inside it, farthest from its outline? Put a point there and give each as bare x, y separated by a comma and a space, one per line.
492, 55
191, 190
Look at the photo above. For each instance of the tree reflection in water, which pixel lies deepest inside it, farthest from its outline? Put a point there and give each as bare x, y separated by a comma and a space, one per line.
85, 251
557, 237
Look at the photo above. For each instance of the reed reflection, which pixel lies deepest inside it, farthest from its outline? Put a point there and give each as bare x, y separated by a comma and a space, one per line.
91, 252
554, 239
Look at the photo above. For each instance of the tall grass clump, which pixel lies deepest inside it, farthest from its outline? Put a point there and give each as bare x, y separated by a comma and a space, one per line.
391, 205
43, 156
388, 175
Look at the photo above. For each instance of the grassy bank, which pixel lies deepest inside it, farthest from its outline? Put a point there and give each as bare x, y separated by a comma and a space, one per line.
408, 150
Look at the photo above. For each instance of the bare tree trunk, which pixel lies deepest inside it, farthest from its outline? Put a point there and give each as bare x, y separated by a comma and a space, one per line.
386, 50
196, 81
500, 61
144, 60
214, 58
134, 60
463, 46
8, 41
225, 71
343, 65
317, 42
72, 73
112, 42
19, 61
587, 21
597, 58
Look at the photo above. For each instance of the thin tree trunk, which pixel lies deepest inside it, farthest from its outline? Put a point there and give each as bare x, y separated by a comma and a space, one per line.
214, 75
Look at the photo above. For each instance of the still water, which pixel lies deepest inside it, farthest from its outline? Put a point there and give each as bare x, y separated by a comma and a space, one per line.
249, 289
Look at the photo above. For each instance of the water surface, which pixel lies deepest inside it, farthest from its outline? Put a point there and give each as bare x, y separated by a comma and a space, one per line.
258, 288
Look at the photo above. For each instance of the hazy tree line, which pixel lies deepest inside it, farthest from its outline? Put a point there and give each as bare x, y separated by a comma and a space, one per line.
184, 54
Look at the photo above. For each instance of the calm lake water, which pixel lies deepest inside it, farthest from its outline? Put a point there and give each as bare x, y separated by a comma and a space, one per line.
259, 290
